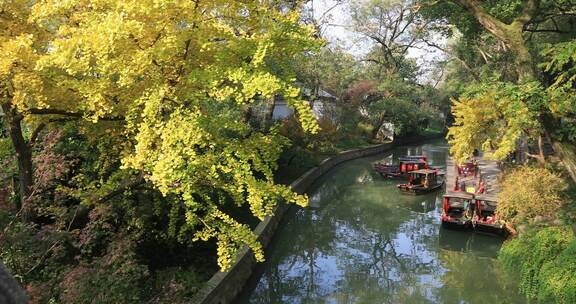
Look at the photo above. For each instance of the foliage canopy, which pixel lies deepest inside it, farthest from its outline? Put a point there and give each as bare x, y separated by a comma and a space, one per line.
175, 75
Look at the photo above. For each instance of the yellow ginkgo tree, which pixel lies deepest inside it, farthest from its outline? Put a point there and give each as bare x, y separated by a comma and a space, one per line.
494, 117
175, 77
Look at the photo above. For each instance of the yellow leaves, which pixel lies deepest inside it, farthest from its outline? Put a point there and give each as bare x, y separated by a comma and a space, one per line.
178, 71
230, 236
264, 84
17, 53
191, 152
492, 122
530, 192
244, 85
305, 115
260, 53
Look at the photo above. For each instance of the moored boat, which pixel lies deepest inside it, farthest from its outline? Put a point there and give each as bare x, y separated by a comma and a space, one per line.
413, 158
401, 170
422, 181
485, 219
457, 210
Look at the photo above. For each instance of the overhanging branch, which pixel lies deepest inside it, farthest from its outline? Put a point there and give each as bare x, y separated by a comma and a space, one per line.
71, 114
139, 180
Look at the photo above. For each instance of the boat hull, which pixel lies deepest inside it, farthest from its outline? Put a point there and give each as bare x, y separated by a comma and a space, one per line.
418, 190
497, 229
457, 225
394, 175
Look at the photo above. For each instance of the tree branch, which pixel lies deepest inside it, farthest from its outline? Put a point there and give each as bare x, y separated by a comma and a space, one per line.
125, 186
35, 134
492, 24
462, 61
72, 114
372, 60
547, 31
527, 12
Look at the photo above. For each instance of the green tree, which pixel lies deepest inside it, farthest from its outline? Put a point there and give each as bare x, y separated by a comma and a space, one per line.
519, 29
172, 77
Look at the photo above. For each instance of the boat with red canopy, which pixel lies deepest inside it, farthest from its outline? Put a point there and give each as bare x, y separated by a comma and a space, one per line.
412, 157
485, 218
401, 170
422, 181
457, 210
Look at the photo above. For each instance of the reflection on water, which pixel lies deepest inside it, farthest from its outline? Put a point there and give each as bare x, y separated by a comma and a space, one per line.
363, 242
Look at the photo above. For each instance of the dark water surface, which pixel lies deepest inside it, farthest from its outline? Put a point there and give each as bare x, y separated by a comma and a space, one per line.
361, 241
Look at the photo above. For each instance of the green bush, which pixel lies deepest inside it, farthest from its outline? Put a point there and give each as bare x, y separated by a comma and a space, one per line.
557, 280
539, 259
529, 192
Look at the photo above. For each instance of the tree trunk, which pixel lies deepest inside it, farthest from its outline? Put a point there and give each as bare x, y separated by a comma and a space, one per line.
271, 104
24, 156
377, 128
541, 156
246, 113
525, 65
510, 34
567, 154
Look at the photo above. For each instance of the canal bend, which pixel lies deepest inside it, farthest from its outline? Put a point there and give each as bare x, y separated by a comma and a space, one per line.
361, 241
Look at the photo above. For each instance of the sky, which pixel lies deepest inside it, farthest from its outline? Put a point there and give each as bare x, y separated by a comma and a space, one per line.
338, 31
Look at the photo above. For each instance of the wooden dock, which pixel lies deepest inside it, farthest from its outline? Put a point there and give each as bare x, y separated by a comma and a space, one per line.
489, 172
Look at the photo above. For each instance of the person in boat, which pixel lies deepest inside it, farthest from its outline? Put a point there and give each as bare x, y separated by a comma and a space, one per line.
416, 181
426, 183
481, 187
469, 209
489, 219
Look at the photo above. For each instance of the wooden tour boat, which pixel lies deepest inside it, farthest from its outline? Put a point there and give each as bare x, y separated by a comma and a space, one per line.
406, 165
413, 158
422, 181
458, 210
485, 219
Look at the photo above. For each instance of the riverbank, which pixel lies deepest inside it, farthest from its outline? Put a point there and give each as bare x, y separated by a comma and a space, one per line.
296, 163
223, 287
362, 241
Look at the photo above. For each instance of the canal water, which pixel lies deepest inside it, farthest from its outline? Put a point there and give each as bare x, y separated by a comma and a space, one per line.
361, 241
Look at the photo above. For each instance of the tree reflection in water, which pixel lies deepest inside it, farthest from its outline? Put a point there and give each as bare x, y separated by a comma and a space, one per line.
363, 242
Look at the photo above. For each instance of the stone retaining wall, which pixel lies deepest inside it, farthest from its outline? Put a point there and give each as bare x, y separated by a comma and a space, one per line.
224, 287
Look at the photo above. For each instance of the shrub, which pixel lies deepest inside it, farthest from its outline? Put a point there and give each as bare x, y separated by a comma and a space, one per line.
528, 192
117, 277
557, 280
535, 258
175, 285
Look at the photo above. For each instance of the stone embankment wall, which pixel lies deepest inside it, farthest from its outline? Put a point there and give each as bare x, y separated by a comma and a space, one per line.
224, 287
